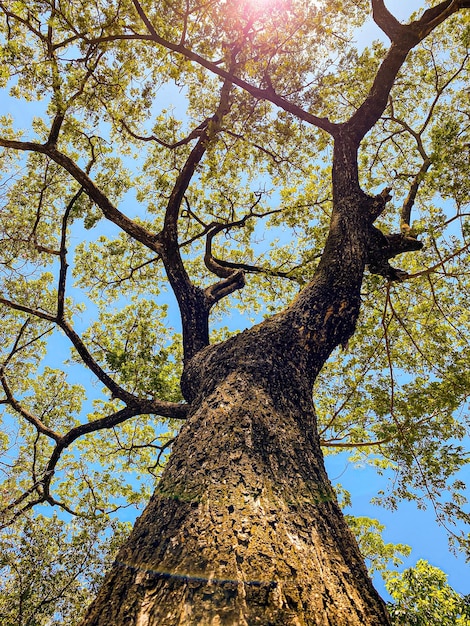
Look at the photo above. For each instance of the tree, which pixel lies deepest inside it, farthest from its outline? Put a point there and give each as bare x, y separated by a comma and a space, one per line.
243, 526
49, 569
422, 596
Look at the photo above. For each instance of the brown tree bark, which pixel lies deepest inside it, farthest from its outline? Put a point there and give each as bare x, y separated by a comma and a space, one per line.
249, 534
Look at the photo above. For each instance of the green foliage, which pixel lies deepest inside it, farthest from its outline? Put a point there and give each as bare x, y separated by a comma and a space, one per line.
422, 597
378, 555
49, 567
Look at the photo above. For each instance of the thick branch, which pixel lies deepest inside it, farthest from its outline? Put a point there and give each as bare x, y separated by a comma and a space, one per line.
262, 94
418, 29
384, 247
94, 193
386, 21
436, 15
213, 265
209, 261
222, 289
232, 274
404, 37
194, 303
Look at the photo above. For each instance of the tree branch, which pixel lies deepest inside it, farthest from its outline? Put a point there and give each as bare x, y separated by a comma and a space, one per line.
11, 400
159, 407
333, 443
26, 309
194, 303
263, 94
29, 417
405, 213
268, 271
194, 134
383, 247
222, 289
63, 256
404, 37
42, 485
387, 22
133, 229
436, 15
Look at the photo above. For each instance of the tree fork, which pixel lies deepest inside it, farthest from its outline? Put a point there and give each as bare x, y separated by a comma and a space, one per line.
253, 533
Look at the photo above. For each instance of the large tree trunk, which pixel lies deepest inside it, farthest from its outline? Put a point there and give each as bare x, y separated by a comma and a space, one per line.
249, 533
244, 527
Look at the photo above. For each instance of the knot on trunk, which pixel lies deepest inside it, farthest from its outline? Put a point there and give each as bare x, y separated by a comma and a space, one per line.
382, 247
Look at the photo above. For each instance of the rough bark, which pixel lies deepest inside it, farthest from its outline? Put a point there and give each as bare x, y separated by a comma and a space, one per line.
250, 534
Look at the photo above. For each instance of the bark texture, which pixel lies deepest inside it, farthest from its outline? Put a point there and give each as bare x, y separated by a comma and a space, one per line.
250, 534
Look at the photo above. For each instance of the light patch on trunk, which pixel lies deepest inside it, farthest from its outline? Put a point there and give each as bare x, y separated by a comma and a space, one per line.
296, 541
143, 618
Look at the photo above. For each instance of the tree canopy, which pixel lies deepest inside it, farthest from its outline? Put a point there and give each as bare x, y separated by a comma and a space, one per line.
161, 158
423, 597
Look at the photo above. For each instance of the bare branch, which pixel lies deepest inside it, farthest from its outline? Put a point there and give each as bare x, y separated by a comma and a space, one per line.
268, 271
332, 443
405, 213
220, 269
222, 289
194, 134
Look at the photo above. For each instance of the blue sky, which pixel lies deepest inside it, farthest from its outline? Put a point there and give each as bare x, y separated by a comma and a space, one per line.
408, 525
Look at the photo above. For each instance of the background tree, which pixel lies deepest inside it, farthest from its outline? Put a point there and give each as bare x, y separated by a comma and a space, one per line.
112, 196
422, 596
49, 568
